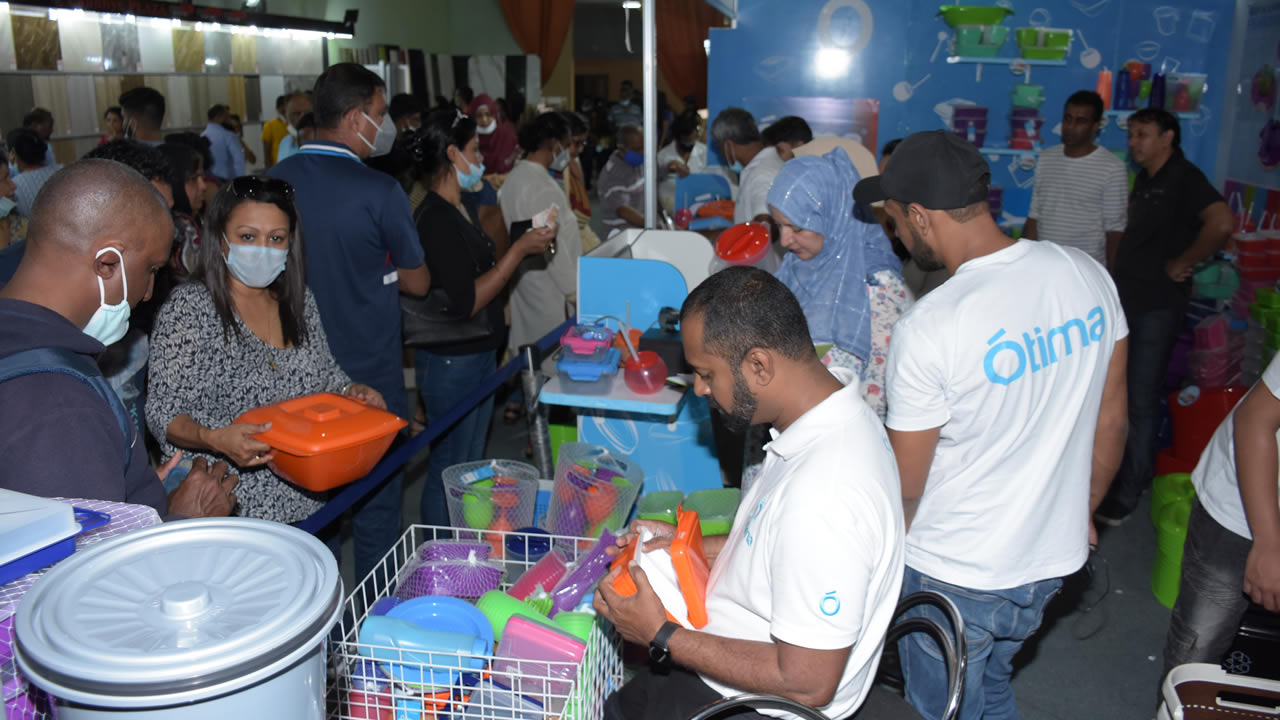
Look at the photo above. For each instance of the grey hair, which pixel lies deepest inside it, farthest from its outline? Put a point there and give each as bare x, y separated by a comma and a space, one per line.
734, 125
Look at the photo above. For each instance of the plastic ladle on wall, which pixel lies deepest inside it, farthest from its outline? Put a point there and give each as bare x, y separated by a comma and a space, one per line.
1089, 57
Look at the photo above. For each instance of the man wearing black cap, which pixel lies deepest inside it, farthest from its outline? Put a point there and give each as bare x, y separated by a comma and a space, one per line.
1007, 415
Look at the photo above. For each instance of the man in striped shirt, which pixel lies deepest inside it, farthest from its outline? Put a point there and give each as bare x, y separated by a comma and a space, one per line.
1081, 190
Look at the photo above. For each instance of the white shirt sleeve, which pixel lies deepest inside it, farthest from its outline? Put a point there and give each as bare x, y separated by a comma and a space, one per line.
1115, 198
1271, 376
915, 381
814, 607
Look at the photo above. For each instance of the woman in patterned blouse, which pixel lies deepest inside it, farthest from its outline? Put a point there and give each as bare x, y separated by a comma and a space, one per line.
245, 332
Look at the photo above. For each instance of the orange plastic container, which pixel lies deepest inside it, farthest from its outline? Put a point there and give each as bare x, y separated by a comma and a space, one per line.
744, 244
690, 563
325, 440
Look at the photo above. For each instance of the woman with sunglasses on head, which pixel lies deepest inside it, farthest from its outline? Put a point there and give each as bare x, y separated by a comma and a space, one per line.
469, 280
245, 332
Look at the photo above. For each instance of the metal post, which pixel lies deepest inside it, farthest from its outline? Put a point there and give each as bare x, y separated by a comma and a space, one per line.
536, 412
649, 13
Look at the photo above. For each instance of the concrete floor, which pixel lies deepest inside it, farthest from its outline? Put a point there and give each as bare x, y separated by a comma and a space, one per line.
1098, 653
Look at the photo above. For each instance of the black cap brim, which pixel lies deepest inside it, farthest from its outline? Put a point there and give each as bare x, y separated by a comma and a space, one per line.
869, 191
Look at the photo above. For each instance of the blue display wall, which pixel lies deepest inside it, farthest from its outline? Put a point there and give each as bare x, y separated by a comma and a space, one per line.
781, 53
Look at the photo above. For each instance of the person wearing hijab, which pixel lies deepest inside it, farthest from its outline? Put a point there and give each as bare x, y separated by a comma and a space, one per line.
842, 269
498, 141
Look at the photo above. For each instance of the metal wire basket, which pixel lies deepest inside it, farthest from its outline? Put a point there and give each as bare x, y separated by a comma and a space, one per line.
428, 685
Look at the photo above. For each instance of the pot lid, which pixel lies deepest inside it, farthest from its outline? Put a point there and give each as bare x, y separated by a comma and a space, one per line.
184, 610
320, 423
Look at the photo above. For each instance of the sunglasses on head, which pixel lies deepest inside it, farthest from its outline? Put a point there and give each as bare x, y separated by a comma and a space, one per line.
254, 187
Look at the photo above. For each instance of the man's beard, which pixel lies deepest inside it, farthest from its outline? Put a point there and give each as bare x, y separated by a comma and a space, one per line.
924, 256
737, 420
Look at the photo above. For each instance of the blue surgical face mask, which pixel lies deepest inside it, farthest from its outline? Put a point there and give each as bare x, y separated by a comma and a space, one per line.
6, 206
471, 178
13, 170
633, 158
110, 322
255, 265
735, 165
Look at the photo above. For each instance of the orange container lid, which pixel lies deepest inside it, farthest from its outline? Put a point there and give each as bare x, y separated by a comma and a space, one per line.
690, 563
321, 423
743, 244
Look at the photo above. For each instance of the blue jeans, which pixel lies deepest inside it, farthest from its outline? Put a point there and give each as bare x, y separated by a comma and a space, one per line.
997, 622
1152, 336
376, 520
443, 381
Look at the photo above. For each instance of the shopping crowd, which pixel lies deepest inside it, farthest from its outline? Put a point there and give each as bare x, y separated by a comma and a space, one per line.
960, 435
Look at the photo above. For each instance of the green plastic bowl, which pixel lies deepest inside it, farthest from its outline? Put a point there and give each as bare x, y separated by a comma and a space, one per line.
977, 50
1027, 37
1057, 38
1038, 53
957, 15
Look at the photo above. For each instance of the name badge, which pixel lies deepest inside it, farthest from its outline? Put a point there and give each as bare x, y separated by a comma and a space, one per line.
391, 277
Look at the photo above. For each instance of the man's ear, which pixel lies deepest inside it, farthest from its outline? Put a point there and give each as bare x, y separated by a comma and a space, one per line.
759, 368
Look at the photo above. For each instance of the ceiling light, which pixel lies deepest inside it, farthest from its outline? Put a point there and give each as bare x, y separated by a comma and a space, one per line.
631, 4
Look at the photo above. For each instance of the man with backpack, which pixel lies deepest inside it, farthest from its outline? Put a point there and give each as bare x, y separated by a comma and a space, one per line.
99, 231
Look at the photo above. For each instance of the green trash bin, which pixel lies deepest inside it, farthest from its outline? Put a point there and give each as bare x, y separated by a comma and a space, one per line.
1171, 534
1165, 489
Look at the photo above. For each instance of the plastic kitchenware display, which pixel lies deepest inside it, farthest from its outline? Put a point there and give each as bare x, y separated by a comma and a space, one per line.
583, 576
585, 339
979, 40
1183, 91
37, 532
545, 574
715, 507
594, 490
439, 550
499, 607
449, 634
960, 15
744, 244
201, 619
468, 578
678, 574
1027, 95
529, 546
660, 506
601, 363
645, 374
577, 624
325, 440
490, 701
516, 663
493, 495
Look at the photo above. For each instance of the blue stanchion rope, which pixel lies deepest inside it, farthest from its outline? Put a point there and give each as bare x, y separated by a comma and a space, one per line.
354, 492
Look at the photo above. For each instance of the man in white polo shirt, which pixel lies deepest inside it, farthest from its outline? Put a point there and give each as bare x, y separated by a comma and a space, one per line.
997, 382
803, 588
1232, 553
1082, 190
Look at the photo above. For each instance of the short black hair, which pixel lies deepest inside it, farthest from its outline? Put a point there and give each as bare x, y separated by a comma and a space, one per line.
342, 88
146, 104
403, 104
790, 129
685, 124
184, 164
281, 100
1089, 99
147, 160
541, 129
889, 147
467, 94
114, 110
734, 125
27, 145
37, 116
199, 143
1163, 119
744, 308
306, 121
577, 123
216, 110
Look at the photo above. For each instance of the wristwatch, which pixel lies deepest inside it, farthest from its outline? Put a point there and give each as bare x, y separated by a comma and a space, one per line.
659, 653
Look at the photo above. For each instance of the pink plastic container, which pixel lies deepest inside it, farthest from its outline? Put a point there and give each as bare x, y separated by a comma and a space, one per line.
546, 573
1211, 332
647, 375
538, 661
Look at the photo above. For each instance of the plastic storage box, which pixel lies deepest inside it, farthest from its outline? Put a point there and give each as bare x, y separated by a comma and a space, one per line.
525, 655
325, 440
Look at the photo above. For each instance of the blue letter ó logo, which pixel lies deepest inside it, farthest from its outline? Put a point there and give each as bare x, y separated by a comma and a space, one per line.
830, 604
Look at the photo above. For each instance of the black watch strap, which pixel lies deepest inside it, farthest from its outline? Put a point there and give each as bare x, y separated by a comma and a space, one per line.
659, 653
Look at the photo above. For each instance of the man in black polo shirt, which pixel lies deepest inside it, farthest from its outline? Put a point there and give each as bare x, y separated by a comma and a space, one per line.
1176, 220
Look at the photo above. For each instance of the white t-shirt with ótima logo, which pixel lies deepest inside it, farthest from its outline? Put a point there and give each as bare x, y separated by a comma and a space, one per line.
1217, 484
1009, 358
815, 555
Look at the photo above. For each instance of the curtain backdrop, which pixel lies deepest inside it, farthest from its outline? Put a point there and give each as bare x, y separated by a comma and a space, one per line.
682, 26
540, 28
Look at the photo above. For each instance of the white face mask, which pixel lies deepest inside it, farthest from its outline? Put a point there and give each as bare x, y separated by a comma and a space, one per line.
110, 322
383, 139
487, 129
561, 161
6, 206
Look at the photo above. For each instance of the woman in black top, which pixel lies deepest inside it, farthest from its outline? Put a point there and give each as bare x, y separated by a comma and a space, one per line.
463, 263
